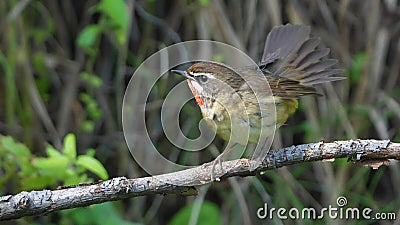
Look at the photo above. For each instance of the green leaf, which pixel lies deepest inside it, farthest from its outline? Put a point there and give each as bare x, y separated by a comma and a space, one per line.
88, 36
117, 12
93, 165
91, 105
72, 177
90, 152
105, 213
9, 144
31, 183
69, 149
356, 70
209, 215
87, 126
43, 81
27, 169
52, 152
91, 79
84, 179
53, 166
121, 36
204, 2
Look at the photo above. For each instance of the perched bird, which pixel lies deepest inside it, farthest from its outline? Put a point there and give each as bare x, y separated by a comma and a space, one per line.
254, 102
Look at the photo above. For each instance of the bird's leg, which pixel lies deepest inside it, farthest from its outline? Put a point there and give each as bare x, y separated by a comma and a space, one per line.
219, 160
260, 153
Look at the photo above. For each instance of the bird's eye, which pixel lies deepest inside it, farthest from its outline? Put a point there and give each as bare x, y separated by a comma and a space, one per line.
203, 79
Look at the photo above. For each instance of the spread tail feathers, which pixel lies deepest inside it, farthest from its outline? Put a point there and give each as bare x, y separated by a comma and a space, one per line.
290, 53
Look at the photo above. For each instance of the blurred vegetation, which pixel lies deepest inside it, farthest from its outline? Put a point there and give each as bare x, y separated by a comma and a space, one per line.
64, 67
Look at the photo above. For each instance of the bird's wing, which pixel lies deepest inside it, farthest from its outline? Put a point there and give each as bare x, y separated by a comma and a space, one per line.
278, 86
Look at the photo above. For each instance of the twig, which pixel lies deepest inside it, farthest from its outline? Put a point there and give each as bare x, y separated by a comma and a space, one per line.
368, 152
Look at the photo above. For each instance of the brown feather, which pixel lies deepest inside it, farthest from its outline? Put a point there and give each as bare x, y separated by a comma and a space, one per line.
290, 53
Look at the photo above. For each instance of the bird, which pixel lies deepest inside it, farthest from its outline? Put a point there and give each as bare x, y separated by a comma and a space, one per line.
253, 101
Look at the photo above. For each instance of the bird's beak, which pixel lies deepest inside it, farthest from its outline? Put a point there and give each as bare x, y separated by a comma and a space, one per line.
183, 73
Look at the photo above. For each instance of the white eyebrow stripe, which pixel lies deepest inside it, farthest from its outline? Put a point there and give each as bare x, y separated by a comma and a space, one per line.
209, 75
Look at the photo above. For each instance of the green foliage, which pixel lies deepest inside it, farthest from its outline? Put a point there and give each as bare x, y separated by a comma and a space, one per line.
42, 82
92, 165
13, 155
209, 215
91, 79
204, 2
88, 38
69, 149
59, 167
310, 132
356, 70
105, 213
114, 21
47, 29
117, 17
10, 88
91, 105
93, 112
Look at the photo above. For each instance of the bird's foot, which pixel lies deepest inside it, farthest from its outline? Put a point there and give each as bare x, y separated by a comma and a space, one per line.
217, 161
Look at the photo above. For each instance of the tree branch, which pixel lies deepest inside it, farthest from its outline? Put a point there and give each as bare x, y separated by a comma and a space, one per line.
371, 153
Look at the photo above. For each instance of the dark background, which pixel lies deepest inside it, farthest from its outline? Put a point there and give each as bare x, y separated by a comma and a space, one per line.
64, 67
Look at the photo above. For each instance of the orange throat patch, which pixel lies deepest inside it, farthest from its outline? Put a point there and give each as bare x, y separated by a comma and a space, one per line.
199, 101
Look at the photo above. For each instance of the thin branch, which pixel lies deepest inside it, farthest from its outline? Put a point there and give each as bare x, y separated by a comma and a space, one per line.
367, 152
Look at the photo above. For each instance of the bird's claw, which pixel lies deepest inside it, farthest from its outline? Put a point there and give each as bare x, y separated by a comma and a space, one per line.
216, 161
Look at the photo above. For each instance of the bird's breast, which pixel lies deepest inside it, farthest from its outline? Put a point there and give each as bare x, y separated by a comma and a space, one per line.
243, 122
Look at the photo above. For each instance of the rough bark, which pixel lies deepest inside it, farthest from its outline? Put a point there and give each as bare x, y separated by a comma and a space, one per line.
372, 153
